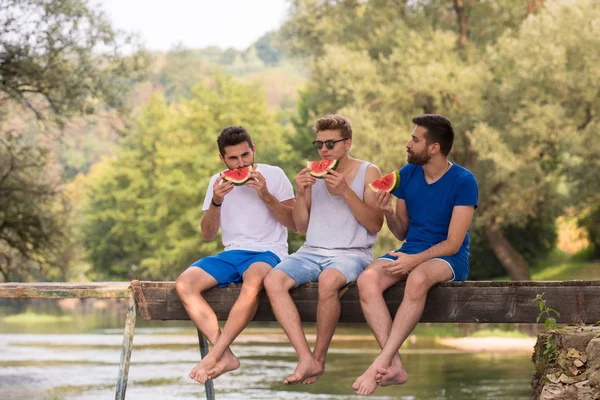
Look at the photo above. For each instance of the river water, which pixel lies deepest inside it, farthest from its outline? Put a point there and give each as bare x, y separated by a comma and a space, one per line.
78, 359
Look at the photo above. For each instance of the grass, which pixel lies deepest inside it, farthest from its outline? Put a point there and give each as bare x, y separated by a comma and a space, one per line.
569, 271
33, 318
560, 266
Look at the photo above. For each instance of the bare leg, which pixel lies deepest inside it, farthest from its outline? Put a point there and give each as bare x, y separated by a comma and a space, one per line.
328, 314
278, 284
420, 280
371, 285
190, 284
214, 364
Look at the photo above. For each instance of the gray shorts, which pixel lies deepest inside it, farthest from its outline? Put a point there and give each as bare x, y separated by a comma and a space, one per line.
304, 267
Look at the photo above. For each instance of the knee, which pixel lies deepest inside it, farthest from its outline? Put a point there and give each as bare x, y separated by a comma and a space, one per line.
274, 282
417, 286
369, 284
251, 288
183, 286
330, 283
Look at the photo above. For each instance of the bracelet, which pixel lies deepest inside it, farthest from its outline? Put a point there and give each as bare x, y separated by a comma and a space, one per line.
215, 204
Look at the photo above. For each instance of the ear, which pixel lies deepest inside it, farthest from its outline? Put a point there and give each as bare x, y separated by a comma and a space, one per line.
222, 158
348, 144
434, 148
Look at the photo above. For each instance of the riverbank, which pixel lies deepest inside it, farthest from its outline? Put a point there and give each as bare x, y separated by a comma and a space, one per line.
504, 345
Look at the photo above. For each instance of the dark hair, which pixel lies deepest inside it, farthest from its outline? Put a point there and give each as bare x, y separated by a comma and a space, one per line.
334, 122
231, 136
439, 130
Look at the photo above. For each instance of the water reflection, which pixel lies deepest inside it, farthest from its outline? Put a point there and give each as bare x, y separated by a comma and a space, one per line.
79, 360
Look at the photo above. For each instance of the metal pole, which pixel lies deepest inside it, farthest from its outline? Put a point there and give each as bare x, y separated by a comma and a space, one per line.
210, 389
126, 350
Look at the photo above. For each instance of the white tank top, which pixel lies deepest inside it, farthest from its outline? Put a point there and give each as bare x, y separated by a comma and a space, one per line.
332, 228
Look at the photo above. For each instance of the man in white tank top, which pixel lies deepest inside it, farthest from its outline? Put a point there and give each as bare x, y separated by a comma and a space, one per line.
341, 220
253, 219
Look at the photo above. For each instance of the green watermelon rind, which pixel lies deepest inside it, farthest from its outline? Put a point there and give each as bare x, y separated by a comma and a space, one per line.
396, 175
236, 182
320, 175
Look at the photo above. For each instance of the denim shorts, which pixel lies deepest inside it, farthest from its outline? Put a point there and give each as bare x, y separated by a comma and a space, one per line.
458, 264
229, 266
304, 267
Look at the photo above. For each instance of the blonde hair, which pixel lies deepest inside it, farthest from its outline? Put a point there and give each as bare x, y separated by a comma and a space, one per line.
334, 122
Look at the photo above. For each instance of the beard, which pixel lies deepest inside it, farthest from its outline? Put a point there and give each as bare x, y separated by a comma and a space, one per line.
418, 158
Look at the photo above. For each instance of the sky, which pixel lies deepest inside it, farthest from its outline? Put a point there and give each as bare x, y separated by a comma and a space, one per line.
163, 24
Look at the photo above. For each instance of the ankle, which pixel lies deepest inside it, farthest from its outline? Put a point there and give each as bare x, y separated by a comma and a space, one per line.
320, 359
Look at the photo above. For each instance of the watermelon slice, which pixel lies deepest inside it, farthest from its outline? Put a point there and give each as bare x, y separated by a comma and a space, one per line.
318, 169
387, 183
237, 176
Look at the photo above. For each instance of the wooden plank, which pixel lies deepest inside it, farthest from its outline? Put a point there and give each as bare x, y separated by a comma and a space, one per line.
577, 301
44, 290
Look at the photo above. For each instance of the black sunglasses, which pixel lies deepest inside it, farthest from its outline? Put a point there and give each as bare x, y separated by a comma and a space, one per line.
330, 144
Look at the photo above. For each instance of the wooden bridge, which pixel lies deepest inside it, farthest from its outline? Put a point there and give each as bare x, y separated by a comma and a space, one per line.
492, 302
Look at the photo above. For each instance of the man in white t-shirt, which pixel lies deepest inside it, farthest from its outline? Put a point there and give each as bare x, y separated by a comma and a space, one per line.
253, 219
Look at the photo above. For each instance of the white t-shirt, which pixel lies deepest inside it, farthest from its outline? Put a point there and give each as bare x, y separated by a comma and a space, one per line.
246, 222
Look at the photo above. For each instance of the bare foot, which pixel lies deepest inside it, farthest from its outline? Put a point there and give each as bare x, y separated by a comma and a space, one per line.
306, 369
208, 367
224, 365
366, 384
313, 379
200, 371
392, 375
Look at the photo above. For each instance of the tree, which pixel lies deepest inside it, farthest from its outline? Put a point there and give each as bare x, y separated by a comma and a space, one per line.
512, 104
57, 59
143, 209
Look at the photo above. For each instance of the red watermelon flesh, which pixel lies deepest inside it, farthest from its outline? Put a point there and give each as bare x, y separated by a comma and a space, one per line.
318, 169
387, 183
237, 176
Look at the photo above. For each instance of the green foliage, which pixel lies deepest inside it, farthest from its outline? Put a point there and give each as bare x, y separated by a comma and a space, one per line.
591, 222
517, 112
63, 54
142, 217
58, 59
269, 49
546, 312
534, 239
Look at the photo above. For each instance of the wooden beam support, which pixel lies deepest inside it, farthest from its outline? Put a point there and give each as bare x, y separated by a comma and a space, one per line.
472, 301
100, 290
497, 302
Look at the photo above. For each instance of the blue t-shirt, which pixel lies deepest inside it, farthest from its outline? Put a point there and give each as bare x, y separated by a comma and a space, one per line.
430, 206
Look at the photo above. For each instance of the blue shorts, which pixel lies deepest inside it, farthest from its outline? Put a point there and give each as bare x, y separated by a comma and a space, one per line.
304, 267
458, 264
229, 266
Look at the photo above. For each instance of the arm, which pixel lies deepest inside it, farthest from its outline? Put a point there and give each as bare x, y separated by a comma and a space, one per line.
301, 213
397, 221
211, 220
459, 224
365, 211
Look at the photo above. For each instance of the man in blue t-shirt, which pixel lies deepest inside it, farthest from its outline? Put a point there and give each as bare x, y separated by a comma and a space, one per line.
435, 203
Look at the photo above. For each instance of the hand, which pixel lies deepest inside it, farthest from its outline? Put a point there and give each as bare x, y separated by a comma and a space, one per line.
336, 183
384, 202
220, 189
258, 182
403, 265
303, 181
